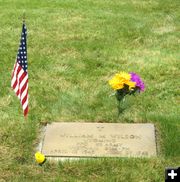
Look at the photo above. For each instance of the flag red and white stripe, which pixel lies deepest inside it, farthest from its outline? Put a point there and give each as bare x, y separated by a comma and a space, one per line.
19, 81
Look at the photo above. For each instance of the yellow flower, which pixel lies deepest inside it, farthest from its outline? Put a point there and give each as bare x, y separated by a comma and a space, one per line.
131, 84
40, 158
118, 81
125, 75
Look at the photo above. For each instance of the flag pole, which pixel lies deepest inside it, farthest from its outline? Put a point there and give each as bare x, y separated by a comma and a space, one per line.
19, 78
24, 17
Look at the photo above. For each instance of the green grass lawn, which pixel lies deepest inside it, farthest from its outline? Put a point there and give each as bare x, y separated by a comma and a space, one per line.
74, 48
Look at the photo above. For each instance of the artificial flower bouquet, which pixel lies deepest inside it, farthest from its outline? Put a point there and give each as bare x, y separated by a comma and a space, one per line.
126, 84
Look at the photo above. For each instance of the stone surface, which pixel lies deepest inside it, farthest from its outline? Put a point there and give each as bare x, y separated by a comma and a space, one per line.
99, 140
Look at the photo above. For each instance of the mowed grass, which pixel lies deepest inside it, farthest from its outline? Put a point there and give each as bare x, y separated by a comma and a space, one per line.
74, 48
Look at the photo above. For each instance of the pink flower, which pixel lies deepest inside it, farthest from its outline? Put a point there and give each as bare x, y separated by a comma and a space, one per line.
139, 83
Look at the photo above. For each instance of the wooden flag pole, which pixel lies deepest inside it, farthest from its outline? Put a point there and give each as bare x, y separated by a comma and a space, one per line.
19, 79
24, 16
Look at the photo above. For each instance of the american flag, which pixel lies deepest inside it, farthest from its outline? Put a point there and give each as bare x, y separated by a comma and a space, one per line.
19, 81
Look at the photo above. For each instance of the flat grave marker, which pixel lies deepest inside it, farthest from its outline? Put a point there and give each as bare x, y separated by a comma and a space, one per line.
99, 140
